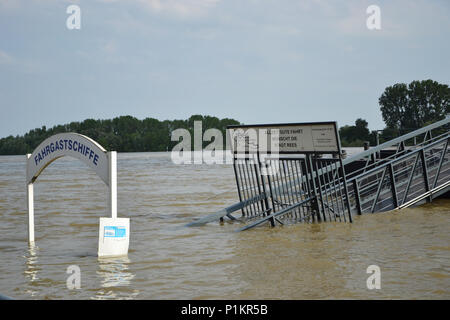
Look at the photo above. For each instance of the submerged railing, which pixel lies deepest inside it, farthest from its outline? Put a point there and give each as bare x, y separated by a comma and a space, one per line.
405, 171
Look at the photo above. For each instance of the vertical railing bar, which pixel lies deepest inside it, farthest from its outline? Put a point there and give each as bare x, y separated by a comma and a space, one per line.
296, 179
244, 191
263, 183
328, 163
438, 172
411, 175
325, 201
301, 184
283, 186
248, 187
365, 166
393, 187
318, 163
259, 183
278, 185
292, 191
425, 172
305, 173
347, 199
255, 183
288, 181
341, 196
335, 188
316, 171
276, 189
313, 188
296, 182
237, 182
252, 183
378, 190
336, 193
272, 195
332, 188
309, 185
357, 198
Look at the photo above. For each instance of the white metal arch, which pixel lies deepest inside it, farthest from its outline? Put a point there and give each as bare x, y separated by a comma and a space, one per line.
77, 146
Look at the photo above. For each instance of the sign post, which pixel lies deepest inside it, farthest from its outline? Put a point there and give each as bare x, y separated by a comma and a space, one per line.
114, 233
30, 206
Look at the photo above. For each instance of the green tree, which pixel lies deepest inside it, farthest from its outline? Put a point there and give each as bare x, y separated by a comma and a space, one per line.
354, 136
405, 108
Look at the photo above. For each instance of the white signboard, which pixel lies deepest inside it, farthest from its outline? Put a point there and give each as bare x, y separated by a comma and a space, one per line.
114, 237
68, 144
285, 138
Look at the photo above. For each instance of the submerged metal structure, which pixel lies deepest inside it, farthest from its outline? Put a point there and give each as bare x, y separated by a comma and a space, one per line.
312, 184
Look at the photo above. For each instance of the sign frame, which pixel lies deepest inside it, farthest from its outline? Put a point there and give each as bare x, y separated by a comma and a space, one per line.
281, 125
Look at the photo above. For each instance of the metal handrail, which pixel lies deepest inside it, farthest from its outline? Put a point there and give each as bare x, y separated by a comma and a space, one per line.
395, 141
397, 154
381, 166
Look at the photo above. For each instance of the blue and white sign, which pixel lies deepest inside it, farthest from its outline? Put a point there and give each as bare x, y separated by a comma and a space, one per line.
114, 237
114, 232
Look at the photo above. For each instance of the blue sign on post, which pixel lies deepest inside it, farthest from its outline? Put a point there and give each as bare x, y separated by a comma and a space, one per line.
114, 232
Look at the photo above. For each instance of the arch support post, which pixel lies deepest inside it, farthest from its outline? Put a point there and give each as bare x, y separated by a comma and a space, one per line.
30, 206
112, 199
114, 233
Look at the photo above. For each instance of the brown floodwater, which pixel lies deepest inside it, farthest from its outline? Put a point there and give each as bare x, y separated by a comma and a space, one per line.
169, 261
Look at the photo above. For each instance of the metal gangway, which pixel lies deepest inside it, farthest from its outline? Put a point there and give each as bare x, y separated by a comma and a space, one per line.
403, 172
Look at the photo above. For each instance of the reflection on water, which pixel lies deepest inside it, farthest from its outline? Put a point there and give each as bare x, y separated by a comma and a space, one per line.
169, 261
32, 268
114, 272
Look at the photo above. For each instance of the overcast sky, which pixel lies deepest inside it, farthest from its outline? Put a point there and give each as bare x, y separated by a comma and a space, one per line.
258, 61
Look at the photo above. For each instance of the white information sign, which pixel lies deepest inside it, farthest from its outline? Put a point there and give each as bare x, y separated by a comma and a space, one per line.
318, 137
114, 237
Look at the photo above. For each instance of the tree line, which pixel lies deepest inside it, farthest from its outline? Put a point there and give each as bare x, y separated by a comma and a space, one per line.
404, 108
122, 134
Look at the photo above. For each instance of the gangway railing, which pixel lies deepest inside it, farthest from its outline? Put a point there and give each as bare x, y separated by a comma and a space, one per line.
402, 182
402, 172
